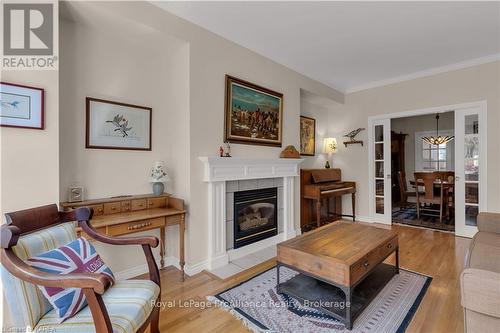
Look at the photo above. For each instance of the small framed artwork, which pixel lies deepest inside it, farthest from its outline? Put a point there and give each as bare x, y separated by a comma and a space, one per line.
253, 114
114, 125
307, 136
21, 106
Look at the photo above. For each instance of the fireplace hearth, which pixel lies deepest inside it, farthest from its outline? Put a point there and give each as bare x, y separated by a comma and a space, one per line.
255, 215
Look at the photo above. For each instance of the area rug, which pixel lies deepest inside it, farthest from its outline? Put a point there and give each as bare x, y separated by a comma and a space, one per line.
408, 216
256, 303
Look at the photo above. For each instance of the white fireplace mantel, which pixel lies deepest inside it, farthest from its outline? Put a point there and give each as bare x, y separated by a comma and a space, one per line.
234, 168
217, 171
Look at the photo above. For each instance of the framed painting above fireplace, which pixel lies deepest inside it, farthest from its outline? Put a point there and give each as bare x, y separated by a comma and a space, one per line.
253, 114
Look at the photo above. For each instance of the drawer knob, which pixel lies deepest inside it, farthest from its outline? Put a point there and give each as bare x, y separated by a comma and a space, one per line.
389, 246
366, 264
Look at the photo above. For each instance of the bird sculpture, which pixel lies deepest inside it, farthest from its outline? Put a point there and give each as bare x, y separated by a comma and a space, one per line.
352, 134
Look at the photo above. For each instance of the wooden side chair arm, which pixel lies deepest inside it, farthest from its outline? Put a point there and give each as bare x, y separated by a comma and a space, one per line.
99, 283
137, 240
147, 242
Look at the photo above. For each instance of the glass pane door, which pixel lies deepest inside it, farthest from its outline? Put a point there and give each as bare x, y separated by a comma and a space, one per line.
380, 172
469, 180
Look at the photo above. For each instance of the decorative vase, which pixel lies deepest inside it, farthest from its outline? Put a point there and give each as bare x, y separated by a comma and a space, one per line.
327, 165
158, 188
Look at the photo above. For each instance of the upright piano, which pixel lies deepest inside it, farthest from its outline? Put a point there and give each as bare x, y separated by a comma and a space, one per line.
321, 192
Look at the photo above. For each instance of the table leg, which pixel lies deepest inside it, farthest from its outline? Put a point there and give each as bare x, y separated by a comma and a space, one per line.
397, 261
348, 315
278, 278
353, 198
182, 227
318, 213
162, 247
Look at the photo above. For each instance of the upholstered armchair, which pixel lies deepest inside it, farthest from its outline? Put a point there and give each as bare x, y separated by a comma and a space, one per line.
126, 306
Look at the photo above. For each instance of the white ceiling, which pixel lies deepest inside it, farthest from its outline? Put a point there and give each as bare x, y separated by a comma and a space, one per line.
355, 45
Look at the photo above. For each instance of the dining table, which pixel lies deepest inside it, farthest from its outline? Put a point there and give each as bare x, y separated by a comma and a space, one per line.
447, 186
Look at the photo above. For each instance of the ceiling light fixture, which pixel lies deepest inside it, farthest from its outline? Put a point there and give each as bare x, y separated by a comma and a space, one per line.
438, 139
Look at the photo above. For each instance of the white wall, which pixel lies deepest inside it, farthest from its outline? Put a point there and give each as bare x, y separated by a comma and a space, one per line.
455, 87
412, 125
128, 68
210, 59
29, 157
320, 113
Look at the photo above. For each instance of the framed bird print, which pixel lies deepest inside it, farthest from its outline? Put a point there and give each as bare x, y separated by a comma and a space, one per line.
115, 125
307, 136
21, 106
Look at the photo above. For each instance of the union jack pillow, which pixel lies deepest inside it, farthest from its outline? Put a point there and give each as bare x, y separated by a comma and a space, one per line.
78, 256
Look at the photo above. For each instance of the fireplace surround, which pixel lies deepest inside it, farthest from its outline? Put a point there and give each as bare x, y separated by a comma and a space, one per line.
219, 172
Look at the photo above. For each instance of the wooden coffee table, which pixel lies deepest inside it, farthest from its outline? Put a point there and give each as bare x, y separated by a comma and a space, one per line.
334, 262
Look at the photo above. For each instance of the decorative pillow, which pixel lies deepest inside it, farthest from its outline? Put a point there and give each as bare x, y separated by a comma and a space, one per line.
78, 256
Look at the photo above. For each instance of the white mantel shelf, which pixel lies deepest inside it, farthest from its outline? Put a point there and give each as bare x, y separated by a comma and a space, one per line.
236, 168
219, 170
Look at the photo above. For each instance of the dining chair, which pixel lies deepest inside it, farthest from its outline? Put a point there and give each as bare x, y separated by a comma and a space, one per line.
403, 190
428, 180
123, 307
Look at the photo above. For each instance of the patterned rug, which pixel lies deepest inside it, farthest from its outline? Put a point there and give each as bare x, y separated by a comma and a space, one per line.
409, 216
256, 303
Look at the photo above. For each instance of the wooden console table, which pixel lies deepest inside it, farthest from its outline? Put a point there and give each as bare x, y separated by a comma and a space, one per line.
135, 213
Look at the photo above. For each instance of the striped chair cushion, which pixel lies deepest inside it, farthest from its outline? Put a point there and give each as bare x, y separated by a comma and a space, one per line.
26, 302
129, 303
78, 256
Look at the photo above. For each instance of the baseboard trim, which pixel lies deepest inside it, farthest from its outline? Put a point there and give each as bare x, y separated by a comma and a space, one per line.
196, 268
363, 218
135, 271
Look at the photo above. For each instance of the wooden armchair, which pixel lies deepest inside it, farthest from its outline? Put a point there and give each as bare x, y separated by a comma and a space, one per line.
37, 230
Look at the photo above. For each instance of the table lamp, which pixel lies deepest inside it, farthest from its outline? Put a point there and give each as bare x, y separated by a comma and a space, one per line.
329, 147
158, 176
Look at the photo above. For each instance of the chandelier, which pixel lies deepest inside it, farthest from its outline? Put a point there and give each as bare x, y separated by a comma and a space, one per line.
438, 139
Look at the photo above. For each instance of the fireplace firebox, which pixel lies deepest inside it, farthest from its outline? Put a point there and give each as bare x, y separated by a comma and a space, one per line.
255, 215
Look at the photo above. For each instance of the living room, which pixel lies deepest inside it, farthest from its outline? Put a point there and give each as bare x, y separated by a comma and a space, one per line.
197, 119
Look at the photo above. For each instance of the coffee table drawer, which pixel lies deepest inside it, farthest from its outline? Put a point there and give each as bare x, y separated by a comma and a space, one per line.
366, 264
388, 248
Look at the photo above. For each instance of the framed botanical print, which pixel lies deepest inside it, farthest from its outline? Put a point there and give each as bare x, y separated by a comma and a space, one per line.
307, 136
114, 125
253, 114
21, 106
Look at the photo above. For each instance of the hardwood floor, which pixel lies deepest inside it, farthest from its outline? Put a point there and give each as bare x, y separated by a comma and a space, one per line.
440, 255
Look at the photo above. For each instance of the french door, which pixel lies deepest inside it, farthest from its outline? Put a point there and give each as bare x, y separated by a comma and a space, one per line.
380, 173
470, 169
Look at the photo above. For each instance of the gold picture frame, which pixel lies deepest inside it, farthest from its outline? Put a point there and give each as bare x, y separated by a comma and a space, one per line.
253, 114
307, 136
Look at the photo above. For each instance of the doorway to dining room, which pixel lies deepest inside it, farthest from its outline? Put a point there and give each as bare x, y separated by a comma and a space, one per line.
423, 170
466, 160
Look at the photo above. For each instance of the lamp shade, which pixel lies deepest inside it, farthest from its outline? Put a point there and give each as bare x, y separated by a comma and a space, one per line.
329, 145
158, 173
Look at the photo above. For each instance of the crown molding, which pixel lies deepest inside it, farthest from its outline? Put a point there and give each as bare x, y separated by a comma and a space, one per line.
424, 73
